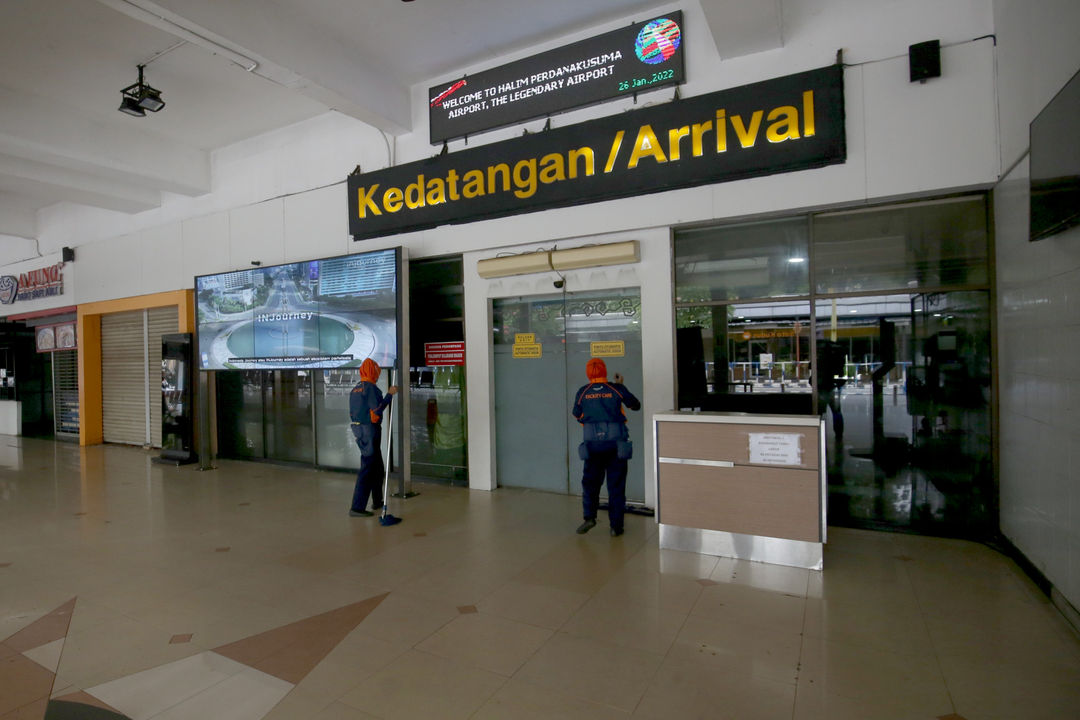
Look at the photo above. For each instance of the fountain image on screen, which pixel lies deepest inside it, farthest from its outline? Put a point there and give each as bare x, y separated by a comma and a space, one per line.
313, 314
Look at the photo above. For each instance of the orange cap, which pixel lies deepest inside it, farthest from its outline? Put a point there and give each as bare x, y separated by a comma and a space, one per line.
596, 370
370, 371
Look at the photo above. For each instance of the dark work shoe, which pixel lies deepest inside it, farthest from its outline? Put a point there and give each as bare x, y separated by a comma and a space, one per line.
586, 526
360, 513
616, 532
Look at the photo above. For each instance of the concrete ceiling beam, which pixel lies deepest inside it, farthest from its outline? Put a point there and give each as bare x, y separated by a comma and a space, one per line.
282, 46
35, 178
35, 129
15, 218
742, 28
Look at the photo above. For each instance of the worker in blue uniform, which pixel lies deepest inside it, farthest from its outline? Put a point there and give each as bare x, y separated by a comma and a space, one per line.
366, 406
600, 408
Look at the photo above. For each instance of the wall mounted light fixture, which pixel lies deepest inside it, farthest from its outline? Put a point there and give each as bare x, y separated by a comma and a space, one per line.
140, 97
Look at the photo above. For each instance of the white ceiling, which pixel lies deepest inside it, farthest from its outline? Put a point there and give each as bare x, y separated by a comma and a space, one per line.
63, 63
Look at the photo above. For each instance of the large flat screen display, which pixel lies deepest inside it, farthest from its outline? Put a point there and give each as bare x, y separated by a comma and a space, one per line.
1055, 163
313, 314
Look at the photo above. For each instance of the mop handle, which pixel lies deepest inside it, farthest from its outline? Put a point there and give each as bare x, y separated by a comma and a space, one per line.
389, 445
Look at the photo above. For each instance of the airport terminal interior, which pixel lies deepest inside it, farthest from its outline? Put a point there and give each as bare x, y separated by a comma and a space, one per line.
831, 245
247, 591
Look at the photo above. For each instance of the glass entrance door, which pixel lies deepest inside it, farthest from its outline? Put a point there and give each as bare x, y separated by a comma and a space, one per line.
905, 388
287, 403
265, 415
541, 345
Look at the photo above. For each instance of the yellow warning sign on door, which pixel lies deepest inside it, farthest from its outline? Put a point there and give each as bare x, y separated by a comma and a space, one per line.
528, 350
611, 348
524, 338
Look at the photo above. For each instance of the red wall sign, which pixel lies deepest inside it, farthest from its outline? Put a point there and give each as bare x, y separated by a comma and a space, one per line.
444, 353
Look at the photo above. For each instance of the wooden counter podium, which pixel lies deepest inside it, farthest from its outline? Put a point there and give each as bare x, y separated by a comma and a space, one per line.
739, 485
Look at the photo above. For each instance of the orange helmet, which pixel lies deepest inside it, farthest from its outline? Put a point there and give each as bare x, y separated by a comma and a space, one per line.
596, 370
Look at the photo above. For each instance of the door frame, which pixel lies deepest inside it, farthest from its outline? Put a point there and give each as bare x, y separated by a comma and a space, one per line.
651, 276
558, 452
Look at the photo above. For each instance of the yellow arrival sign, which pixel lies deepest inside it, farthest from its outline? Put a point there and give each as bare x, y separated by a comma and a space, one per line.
528, 350
613, 348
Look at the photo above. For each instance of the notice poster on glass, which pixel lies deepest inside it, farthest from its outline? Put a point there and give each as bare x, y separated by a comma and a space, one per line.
313, 314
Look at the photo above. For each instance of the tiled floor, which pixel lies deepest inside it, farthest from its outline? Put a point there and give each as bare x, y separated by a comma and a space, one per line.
129, 589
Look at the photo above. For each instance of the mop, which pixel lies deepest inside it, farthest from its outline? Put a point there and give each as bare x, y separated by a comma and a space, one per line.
385, 518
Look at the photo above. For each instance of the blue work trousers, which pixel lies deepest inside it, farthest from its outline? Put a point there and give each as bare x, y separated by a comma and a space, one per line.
369, 480
603, 461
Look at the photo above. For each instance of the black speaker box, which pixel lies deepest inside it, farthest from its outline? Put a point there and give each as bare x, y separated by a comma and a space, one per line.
67, 254
924, 60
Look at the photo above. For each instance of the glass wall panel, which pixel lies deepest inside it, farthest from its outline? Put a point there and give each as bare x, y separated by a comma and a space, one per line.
287, 400
437, 398
749, 357
265, 414
753, 260
920, 245
908, 424
437, 392
863, 344
900, 302
240, 414
335, 445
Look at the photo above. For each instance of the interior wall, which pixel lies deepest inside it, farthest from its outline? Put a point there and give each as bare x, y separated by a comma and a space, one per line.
1038, 308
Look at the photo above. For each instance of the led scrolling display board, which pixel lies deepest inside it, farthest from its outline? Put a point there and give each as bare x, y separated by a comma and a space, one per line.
780, 125
640, 57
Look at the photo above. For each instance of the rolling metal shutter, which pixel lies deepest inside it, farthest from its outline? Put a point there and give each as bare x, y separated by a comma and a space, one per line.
65, 365
123, 378
159, 321
131, 374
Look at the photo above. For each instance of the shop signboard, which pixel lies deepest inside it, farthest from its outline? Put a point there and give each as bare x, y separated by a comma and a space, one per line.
34, 284
642, 56
781, 125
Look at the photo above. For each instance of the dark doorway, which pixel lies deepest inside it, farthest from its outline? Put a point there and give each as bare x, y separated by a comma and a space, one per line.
437, 380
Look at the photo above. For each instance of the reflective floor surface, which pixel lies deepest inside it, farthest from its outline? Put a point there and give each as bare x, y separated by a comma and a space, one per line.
129, 589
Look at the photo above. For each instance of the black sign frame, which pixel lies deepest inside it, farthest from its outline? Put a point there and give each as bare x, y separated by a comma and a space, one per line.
584, 73
781, 125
